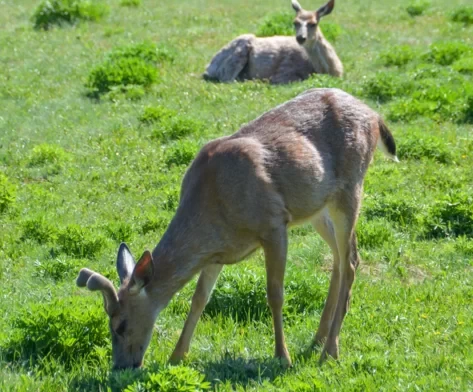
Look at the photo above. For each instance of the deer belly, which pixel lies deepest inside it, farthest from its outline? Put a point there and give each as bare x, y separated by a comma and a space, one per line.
235, 255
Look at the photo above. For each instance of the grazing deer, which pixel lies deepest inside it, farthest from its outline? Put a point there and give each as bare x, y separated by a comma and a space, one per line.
305, 160
279, 59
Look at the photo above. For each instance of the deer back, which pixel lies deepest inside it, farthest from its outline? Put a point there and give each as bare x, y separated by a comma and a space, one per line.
290, 161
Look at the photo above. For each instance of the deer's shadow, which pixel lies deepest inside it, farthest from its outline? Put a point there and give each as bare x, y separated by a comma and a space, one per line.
243, 371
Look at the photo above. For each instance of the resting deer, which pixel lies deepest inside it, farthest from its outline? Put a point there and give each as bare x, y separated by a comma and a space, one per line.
279, 59
305, 160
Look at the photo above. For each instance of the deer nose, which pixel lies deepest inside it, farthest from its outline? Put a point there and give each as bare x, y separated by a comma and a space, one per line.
300, 39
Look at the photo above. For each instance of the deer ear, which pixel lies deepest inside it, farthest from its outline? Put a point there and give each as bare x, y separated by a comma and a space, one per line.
142, 274
325, 9
125, 263
295, 4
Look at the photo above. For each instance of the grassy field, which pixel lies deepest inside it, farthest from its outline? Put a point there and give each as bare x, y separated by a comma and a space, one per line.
92, 153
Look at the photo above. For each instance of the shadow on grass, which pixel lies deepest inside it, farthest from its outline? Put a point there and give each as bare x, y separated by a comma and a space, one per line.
237, 371
110, 381
243, 371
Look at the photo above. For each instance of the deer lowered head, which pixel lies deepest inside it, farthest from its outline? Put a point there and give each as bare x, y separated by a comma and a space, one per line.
130, 320
306, 23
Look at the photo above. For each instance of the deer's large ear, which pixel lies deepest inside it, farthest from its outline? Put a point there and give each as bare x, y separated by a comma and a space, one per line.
142, 274
295, 4
125, 263
325, 9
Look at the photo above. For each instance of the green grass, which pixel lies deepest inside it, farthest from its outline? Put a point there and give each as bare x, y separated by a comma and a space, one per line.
463, 14
60, 12
418, 7
78, 175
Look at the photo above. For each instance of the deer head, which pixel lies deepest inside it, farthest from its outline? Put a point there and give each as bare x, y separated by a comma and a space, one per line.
306, 23
131, 313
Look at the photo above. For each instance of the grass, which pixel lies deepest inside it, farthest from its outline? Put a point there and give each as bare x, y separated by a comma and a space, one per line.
60, 12
78, 175
463, 14
418, 7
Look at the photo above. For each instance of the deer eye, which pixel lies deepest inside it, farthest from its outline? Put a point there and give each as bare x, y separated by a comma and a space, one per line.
297, 24
121, 328
311, 25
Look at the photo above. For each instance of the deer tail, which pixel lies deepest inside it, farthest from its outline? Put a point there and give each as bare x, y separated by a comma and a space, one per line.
386, 141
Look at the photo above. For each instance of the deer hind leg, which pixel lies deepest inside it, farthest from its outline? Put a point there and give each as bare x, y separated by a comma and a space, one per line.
204, 288
324, 226
275, 251
343, 213
230, 61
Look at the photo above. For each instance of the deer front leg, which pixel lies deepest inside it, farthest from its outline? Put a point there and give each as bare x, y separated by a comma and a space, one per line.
204, 288
275, 251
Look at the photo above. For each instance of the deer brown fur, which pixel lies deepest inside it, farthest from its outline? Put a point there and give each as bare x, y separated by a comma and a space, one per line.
279, 59
305, 160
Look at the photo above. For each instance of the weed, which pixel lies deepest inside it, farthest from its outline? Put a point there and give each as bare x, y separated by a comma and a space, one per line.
399, 211
171, 379
130, 3
276, 24
181, 153
439, 93
464, 65
374, 233
418, 145
51, 158
57, 269
176, 128
79, 241
120, 231
418, 7
156, 114
7, 193
451, 217
40, 230
407, 109
58, 12
397, 55
463, 14
303, 295
121, 72
66, 330
384, 86
126, 68
446, 52
241, 297
154, 224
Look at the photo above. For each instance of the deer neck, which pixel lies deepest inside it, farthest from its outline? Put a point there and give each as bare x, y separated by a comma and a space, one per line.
323, 55
176, 259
